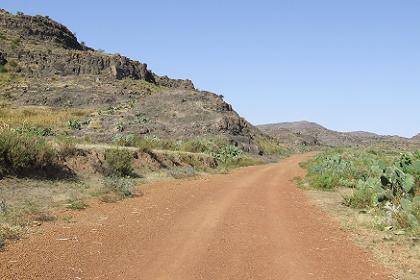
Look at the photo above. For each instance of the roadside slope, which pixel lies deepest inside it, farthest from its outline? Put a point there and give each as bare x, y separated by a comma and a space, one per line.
251, 224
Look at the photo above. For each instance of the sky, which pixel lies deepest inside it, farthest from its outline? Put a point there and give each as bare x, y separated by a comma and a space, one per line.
347, 64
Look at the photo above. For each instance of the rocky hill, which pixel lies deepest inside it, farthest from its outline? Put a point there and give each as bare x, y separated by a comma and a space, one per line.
312, 134
416, 138
43, 64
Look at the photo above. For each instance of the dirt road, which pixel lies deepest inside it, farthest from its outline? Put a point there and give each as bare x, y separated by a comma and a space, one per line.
251, 224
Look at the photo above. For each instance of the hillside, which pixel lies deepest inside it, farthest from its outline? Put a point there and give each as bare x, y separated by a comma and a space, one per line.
416, 138
312, 134
45, 70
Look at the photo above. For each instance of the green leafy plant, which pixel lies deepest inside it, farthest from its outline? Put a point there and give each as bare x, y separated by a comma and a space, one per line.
74, 124
227, 153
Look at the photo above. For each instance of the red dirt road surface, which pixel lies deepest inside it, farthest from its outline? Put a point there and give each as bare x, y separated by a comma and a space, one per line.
251, 224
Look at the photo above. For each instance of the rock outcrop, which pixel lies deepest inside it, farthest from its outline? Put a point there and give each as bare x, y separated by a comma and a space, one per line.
39, 28
42, 47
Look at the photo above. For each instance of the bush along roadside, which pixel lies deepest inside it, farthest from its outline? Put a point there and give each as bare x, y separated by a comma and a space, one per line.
385, 181
23, 153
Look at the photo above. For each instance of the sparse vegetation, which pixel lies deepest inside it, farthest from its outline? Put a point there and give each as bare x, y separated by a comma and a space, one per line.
383, 180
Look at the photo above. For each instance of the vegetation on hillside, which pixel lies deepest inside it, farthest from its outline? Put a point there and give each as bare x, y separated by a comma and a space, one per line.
387, 182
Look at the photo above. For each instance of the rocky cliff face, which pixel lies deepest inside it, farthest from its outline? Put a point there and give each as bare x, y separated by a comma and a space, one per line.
47, 66
39, 28
42, 47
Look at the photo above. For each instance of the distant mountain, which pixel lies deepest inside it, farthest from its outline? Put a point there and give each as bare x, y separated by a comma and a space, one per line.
313, 134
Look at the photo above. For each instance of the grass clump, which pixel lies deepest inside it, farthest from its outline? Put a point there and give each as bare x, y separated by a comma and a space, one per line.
120, 162
20, 153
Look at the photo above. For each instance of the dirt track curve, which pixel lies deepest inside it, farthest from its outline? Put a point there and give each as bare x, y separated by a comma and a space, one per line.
251, 224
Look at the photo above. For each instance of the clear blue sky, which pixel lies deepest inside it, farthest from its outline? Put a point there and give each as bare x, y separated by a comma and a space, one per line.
346, 64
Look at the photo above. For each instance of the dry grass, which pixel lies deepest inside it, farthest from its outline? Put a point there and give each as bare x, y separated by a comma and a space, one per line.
40, 116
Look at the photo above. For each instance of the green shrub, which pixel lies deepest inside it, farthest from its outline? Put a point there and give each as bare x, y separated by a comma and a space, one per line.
120, 161
326, 182
21, 152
